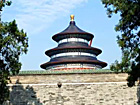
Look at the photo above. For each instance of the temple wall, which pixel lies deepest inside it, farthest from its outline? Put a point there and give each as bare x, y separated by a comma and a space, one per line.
77, 89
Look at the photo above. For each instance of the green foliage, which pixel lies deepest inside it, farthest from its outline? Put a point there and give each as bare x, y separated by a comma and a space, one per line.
129, 40
4, 3
123, 66
13, 43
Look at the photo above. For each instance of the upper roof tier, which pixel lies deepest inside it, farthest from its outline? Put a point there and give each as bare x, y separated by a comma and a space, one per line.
72, 31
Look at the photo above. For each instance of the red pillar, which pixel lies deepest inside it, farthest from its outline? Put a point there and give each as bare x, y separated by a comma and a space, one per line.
90, 42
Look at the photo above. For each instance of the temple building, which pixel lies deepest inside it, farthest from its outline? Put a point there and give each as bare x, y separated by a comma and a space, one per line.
74, 50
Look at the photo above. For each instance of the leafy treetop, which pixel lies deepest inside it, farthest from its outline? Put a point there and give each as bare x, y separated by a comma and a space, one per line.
129, 40
13, 43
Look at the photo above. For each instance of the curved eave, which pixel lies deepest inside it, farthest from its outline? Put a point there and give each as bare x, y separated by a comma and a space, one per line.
53, 51
72, 29
102, 64
60, 36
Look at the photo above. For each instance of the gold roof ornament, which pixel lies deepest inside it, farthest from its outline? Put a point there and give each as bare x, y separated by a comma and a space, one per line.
72, 17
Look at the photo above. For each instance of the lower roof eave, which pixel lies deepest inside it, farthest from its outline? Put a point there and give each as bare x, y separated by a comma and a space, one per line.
96, 62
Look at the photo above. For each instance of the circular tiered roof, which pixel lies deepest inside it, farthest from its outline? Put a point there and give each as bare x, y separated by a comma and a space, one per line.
72, 31
96, 62
73, 49
88, 49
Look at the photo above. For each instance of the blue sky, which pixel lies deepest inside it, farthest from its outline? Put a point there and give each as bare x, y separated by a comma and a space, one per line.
41, 19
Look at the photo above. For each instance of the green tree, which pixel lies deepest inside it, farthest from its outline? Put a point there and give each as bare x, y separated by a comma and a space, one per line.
129, 40
13, 43
123, 66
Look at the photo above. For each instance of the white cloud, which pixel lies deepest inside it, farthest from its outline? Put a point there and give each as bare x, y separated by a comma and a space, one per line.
38, 14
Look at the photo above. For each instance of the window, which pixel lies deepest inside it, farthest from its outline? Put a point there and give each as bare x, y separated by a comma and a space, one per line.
73, 40
73, 53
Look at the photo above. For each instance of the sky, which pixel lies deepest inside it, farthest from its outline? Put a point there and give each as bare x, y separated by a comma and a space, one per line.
41, 19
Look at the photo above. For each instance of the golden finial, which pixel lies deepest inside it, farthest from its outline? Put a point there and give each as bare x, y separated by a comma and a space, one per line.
72, 17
